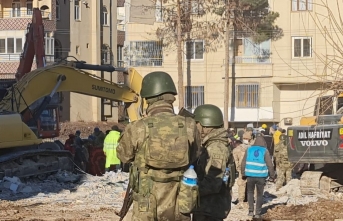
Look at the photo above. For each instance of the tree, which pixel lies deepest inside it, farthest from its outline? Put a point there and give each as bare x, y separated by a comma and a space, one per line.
248, 18
182, 23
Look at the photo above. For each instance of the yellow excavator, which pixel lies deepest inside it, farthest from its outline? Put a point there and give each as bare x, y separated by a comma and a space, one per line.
22, 153
317, 145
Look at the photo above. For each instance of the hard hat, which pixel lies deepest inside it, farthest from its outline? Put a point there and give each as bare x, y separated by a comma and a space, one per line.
208, 115
157, 83
264, 126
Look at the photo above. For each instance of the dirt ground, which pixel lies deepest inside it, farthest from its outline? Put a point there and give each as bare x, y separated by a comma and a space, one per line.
321, 210
54, 212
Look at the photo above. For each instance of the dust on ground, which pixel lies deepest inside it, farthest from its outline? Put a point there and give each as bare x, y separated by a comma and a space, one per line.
67, 196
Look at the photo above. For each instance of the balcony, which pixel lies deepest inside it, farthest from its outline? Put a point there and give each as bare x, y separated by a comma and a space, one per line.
252, 60
22, 13
16, 58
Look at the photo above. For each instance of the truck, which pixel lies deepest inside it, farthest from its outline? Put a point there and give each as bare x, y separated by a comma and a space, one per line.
22, 152
317, 143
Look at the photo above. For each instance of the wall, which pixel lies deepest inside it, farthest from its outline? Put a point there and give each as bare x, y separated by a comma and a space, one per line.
208, 72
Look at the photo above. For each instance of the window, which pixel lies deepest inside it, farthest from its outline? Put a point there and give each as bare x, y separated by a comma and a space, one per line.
246, 51
158, 11
145, 53
77, 10
247, 96
58, 10
29, 8
18, 45
194, 96
302, 47
2, 45
49, 45
10, 45
16, 9
196, 7
77, 50
120, 61
195, 50
105, 16
302, 5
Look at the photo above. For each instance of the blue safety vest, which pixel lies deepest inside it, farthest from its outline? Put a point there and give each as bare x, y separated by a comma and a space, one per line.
255, 164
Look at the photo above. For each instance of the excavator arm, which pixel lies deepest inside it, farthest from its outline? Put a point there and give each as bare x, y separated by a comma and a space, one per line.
44, 82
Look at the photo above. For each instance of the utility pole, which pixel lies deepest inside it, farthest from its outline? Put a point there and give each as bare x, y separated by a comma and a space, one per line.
233, 73
102, 101
227, 66
179, 56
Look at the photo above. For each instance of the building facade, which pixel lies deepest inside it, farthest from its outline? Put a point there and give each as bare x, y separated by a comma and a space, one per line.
274, 81
82, 30
14, 18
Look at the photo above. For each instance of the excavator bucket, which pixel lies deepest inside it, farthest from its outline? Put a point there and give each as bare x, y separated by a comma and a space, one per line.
134, 81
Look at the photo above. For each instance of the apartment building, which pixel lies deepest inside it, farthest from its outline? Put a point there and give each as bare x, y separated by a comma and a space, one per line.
299, 57
87, 31
275, 81
83, 30
14, 18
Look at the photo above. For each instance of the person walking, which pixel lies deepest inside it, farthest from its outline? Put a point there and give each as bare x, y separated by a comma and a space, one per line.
215, 158
161, 147
238, 154
283, 166
110, 149
256, 165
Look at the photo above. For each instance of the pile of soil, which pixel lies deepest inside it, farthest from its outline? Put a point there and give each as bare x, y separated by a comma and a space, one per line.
321, 210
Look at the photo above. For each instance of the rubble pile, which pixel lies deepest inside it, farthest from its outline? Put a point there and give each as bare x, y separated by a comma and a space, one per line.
64, 195
68, 196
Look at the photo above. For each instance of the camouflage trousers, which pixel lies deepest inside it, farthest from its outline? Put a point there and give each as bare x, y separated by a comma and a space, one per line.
199, 217
242, 184
138, 215
283, 174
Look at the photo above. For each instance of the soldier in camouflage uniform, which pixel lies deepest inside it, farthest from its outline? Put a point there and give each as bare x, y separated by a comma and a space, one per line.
283, 166
238, 154
215, 197
250, 130
161, 146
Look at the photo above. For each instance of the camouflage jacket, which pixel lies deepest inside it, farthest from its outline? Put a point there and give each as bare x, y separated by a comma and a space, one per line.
280, 153
163, 195
215, 198
238, 155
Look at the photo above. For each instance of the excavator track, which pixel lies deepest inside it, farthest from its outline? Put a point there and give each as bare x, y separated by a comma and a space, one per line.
313, 181
45, 159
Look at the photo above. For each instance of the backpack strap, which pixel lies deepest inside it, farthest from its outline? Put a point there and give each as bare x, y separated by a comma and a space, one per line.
181, 126
150, 126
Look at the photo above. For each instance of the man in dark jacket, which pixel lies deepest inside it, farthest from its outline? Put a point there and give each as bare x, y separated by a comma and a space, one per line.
255, 167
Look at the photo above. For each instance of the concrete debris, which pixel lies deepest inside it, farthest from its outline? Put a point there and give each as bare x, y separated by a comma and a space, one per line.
68, 196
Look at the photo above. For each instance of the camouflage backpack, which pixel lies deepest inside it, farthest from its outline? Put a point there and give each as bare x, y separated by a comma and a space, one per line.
166, 145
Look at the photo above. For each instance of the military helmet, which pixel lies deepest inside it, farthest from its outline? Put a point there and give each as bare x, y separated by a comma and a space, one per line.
208, 115
157, 83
